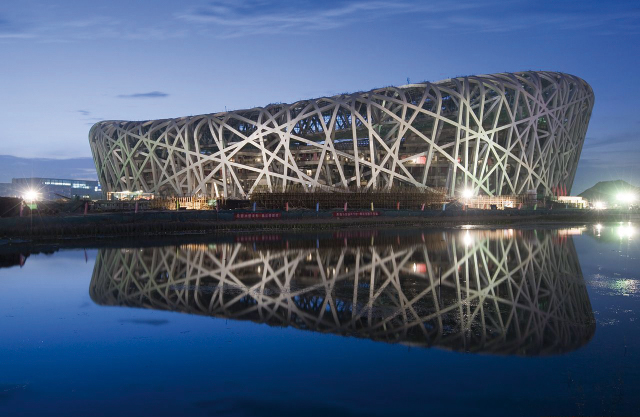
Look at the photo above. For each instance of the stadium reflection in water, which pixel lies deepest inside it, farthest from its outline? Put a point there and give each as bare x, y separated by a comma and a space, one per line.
512, 292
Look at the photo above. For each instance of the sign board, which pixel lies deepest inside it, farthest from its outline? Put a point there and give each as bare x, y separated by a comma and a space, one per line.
258, 238
255, 216
356, 213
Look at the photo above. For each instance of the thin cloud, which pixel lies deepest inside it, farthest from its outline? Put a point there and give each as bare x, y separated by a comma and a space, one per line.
609, 140
11, 30
245, 18
89, 120
241, 18
152, 94
231, 19
610, 22
86, 28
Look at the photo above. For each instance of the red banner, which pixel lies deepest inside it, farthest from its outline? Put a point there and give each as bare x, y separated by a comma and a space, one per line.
252, 216
356, 213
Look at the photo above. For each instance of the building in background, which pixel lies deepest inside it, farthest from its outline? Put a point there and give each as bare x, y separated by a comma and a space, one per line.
490, 135
51, 188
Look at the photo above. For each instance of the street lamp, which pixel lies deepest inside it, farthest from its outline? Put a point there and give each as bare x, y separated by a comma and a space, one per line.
30, 196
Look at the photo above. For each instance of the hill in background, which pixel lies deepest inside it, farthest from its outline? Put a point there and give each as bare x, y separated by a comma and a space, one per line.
74, 169
606, 191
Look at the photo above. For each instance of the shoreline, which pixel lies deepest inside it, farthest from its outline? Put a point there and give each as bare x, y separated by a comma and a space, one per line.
159, 224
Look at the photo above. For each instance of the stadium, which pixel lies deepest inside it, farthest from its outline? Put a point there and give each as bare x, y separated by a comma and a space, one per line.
502, 134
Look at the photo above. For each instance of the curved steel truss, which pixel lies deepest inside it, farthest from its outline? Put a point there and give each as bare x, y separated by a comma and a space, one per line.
516, 294
497, 134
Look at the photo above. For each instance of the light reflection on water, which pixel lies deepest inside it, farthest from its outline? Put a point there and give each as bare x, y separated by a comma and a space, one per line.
364, 322
501, 292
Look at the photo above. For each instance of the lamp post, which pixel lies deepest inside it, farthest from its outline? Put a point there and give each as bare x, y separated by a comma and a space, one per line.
30, 196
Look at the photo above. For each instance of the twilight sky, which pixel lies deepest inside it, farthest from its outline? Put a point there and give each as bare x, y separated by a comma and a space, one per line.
67, 64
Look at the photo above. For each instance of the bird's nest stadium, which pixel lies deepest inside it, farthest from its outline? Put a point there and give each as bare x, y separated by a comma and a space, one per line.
491, 135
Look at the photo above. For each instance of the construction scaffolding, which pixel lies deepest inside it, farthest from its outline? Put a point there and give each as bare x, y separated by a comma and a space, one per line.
183, 203
501, 202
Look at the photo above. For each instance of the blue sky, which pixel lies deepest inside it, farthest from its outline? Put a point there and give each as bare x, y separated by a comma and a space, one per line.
67, 64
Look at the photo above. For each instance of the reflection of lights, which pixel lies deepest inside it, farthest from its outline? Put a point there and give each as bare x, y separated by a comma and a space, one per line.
599, 205
620, 286
626, 197
626, 231
30, 196
598, 229
573, 231
625, 286
467, 239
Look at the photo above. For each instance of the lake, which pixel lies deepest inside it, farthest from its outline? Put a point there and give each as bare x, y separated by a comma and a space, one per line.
465, 321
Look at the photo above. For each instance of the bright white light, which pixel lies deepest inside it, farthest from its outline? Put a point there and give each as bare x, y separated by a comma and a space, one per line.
626, 197
599, 205
626, 231
467, 193
30, 195
467, 239
598, 229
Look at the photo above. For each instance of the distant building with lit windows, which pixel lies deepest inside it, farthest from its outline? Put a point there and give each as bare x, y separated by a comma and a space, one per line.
52, 188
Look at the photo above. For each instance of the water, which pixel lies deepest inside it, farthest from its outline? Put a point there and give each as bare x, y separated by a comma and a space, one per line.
366, 322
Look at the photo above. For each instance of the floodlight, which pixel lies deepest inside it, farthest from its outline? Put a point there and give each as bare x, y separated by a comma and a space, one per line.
30, 195
467, 193
626, 197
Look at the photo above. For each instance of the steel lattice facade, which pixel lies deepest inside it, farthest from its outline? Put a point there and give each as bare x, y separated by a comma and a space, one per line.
500, 134
502, 292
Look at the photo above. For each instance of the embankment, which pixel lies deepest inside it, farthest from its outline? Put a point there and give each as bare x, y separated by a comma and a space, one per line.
163, 223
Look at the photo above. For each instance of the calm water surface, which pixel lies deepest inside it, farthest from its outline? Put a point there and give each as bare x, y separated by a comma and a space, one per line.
366, 322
